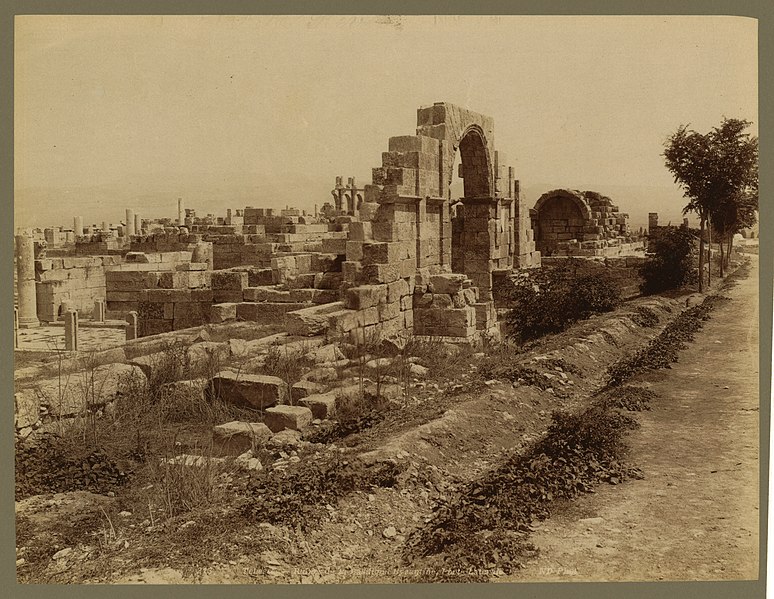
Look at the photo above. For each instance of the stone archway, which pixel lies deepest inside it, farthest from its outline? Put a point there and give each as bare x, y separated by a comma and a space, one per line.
560, 216
475, 165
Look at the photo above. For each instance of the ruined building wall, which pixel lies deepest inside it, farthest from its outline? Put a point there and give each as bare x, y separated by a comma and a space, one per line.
73, 281
581, 223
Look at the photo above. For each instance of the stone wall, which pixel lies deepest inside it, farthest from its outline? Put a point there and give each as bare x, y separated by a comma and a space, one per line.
166, 270
77, 281
581, 223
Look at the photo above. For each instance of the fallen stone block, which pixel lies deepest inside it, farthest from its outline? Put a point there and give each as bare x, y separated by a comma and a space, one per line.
327, 353
285, 438
206, 357
323, 406
89, 389
194, 461
234, 438
26, 408
304, 389
194, 388
252, 390
248, 461
165, 365
282, 417
321, 375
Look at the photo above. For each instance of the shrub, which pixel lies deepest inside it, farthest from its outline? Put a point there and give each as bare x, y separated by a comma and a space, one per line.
473, 531
46, 466
298, 496
549, 299
671, 264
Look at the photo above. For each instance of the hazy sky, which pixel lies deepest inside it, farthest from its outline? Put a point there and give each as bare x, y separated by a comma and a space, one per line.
575, 100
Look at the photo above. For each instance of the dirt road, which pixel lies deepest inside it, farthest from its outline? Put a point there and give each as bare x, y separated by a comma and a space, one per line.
695, 514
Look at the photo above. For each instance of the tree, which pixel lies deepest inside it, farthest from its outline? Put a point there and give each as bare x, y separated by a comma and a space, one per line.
718, 172
671, 264
729, 218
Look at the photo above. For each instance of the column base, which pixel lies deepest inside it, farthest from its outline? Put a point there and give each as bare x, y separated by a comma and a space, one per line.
28, 323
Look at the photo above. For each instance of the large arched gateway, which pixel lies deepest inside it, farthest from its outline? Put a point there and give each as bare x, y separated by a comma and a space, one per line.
411, 229
490, 230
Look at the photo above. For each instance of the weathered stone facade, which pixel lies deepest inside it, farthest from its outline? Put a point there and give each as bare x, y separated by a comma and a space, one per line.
581, 223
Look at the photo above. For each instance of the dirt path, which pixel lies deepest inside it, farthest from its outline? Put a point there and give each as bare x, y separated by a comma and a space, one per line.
695, 515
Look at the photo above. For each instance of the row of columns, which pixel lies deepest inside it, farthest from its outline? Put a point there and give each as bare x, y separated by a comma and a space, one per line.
133, 223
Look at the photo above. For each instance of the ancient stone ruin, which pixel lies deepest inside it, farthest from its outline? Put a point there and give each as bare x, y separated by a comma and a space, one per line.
395, 258
581, 223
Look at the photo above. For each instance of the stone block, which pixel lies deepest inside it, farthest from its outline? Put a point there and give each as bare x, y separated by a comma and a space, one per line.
365, 296
303, 389
388, 311
266, 312
355, 250
235, 438
334, 246
322, 406
413, 143
382, 253
368, 317
280, 418
448, 283
265, 294
223, 312
228, 280
397, 290
250, 390
154, 326
26, 408
343, 321
381, 273
311, 321
359, 231
93, 388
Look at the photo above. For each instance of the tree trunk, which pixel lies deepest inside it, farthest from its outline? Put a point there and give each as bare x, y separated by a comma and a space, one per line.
701, 253
722, 257
709, 251
730, 245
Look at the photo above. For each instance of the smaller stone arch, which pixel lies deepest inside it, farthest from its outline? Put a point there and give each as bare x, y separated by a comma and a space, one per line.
573, 196
560, 216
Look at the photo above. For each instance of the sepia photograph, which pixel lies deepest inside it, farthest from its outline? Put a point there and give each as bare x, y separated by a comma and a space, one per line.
358, 299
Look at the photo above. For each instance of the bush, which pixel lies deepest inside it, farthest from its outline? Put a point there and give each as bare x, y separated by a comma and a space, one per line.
671, 263
298, 496
485, 524
549, 299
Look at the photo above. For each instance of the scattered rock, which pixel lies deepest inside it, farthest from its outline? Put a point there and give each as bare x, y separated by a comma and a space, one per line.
389, 532
285, 438
62, 553
418, 371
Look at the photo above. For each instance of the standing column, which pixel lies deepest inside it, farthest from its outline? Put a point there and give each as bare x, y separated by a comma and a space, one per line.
78, 226
71, 330
180, 212
25, 282
137, 224
98, 315
129, 222
105, 227
131, 326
